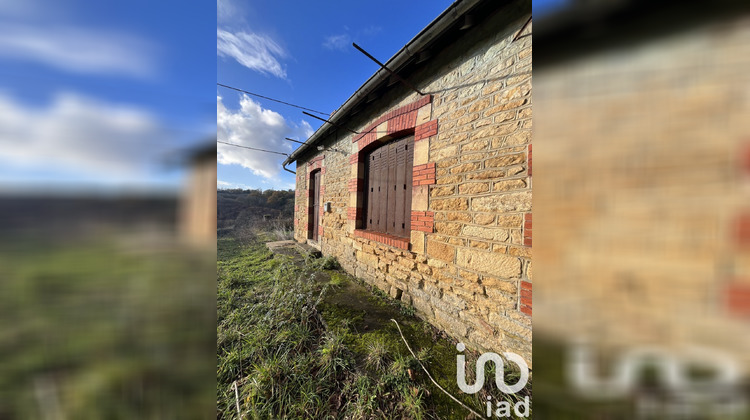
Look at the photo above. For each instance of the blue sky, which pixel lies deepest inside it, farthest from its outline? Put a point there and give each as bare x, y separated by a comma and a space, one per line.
97, 96
298, 52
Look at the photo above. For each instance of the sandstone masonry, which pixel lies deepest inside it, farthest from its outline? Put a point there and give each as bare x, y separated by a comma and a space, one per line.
466, 265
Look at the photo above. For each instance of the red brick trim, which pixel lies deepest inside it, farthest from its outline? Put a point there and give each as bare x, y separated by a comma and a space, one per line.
423, 221
353, 213
315, 163
402, 122
398, 119
423, 174
356, 185
529, 160
527, 229
525, 302
426, 130
390, 240
737, 299
367, 140
354, 159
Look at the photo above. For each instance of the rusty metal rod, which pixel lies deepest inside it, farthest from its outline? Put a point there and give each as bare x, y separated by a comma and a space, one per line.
296, 141
522, 28
401, 79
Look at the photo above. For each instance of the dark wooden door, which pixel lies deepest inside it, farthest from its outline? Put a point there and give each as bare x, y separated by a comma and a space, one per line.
388, 194
315, 205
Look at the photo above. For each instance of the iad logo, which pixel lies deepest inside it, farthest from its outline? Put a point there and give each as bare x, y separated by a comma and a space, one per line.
717, 394
503, 407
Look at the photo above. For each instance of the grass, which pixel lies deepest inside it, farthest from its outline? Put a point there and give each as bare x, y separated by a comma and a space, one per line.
91, 330
303, 340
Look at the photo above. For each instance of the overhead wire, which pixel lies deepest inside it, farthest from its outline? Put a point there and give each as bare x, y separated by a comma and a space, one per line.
274, 100
252, 148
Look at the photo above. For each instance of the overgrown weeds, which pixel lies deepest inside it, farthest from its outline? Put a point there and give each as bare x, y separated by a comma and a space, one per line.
293, 354
274, 343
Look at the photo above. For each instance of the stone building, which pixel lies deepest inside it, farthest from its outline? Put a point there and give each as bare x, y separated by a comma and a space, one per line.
643, 175
430, 200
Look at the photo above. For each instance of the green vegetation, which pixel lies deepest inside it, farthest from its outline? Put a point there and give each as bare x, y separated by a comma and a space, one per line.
303, 340
240, 207
247, 214
94, 330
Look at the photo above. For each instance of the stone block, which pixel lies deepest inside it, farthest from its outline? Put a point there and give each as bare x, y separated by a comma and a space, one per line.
509, 220
421, 152
484, 218
466, 167
439, 154
441, 251
520, 201
417, 241
474, 188
423, 114
442, 191
451, 204
507, 160
500, 265
420, 198
450, 323
486, 174
509, 185
447, 228
490, 233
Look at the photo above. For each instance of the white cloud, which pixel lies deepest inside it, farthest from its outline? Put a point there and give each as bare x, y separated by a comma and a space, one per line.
254, 51
253, 126
338, 42
224, 185
78, 50
226, 10
372, 30
343, 42
75, 132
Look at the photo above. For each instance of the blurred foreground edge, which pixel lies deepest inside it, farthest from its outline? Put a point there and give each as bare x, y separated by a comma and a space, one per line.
108, 300
642, 206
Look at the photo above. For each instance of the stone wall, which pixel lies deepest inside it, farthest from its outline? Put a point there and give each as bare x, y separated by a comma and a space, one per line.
642, 185
466, 267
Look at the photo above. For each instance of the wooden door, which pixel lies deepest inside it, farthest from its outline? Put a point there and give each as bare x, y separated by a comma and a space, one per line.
314, 213
388, 188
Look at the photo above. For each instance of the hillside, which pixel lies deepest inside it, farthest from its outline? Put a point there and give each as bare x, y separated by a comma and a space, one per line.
243, 207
